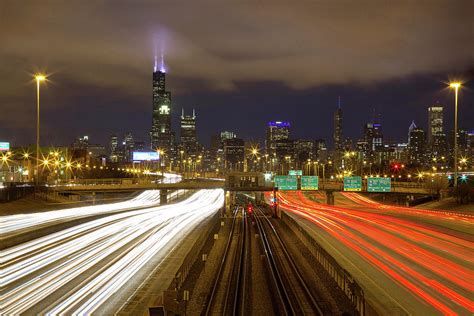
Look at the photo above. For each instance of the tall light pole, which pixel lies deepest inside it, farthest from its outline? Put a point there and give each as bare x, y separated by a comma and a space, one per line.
455, 86
38, 78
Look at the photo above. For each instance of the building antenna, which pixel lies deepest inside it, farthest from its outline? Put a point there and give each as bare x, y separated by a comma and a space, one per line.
162, 67
155, 67
182, 112
194, 113
339, 102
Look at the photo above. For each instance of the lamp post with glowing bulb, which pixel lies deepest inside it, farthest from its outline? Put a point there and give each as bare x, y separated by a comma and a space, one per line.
38, 78
455, 86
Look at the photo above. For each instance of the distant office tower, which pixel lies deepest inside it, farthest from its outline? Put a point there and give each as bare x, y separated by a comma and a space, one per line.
435, 122
304, 150
113, 148
337, 135
347, 144
436, 135
188, 133
97, 151
227, 135
470, 145
234, 154
463, 142
81, 142
321, 149
217, 148
373, 140
128, 146
416, 145
276, 133
410, 129
161, 136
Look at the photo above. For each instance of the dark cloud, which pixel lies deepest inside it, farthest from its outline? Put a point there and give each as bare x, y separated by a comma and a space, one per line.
105, 50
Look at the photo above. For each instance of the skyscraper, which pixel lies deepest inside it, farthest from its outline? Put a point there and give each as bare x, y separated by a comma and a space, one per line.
416, 145
411, 128
81, 142
128, 146
234, 154
304, 150
113, 148
188, 132
227, 135
337, 135
373, 140
161, 136
276, 132
435, 122
436, 136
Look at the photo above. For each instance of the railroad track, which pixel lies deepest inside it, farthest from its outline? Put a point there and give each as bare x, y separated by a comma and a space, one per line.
295, 296
229, 288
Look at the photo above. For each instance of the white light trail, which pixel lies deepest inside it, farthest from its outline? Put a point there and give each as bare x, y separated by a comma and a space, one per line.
120, 244
21, 223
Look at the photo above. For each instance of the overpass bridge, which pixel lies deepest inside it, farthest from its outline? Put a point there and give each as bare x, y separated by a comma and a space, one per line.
129, 185
233, 183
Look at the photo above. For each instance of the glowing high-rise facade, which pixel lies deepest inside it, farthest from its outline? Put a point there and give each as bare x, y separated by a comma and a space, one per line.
188, 133
161, 135
337, 133
436, 135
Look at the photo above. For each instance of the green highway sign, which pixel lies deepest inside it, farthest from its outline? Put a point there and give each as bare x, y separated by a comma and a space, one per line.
295, 172
286, 182
377, 184
309, 183
353, 183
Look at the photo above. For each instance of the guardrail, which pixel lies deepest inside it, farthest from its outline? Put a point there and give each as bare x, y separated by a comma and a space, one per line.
343, 279
115, 181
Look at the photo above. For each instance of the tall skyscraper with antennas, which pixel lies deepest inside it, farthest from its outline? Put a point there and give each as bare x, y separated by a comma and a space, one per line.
161, 135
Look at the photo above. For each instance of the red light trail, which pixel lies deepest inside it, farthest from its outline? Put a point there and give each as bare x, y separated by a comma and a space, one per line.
411, 253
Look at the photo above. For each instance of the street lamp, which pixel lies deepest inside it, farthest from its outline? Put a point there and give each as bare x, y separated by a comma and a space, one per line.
38, 78
455, 86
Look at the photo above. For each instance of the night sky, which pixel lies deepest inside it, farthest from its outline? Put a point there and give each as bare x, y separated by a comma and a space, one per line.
239, 64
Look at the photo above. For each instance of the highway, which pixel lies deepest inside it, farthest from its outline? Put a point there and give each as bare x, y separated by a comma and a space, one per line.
24, 223
78, 269
411, 266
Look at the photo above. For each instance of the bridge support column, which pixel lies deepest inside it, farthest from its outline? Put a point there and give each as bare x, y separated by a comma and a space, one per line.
330, 197
163, 196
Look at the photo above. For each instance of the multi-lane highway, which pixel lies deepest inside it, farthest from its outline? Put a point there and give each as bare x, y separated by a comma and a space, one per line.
78, 269
409, 266
13, 225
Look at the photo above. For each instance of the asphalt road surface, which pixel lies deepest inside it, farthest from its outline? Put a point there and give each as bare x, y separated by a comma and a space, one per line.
405, 263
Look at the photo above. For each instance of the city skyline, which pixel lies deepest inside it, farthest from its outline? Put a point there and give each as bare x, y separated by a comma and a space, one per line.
302, 125
237, 157
107, 85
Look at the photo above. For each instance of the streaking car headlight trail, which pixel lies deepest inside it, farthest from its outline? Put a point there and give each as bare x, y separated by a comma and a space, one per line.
14, 224
115, 248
